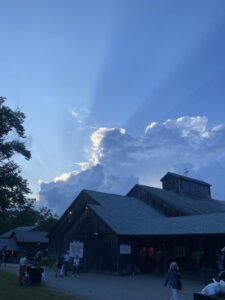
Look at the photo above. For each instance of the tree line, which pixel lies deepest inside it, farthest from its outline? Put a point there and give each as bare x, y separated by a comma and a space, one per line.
16, 208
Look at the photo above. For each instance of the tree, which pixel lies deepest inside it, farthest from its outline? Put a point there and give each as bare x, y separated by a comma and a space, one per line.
28, 216
47, 220
13, 188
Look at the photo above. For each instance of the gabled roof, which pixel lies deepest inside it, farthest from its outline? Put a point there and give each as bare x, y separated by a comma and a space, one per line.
8, 244
21, 228
185, 178
125, 216
121, 211
118, 207
123, 206
31, 236
188, 225
187, 205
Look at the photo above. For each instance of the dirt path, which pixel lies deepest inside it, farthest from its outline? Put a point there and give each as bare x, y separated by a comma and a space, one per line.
94, 286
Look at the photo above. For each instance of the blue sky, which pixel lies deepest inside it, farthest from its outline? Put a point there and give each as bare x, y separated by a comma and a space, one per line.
74, 67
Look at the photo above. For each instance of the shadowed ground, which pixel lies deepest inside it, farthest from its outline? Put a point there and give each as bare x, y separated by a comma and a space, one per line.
93, 286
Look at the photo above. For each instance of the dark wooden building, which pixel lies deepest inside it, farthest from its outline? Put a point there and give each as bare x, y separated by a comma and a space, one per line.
27, 238
146, 229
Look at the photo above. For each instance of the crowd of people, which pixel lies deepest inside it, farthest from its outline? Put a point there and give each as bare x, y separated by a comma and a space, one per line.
31, 271
63, 265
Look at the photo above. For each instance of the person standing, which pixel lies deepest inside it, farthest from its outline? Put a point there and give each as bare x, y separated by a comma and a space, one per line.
39, 255
60, 266
23, 265
220, 260
6, 258
76, 263
172, 278
66, 262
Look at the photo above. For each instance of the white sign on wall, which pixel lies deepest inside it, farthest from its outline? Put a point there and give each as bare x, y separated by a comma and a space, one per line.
125, 249
76, 248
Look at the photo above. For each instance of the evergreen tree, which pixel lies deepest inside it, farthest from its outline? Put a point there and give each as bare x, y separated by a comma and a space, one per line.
13, 188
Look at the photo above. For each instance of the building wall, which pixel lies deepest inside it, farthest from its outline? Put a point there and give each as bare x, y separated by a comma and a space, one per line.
100, 243
187, 187
193, 189
155, 254
155, 202
31, 249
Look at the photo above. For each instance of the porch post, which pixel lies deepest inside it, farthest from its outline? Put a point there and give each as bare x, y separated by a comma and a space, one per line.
165, 255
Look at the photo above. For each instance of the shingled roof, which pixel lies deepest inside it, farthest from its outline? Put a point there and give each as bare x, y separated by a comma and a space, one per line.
21, 228
116, 210
31, 236
137, 225
130, 216
8, 244
184, 204
123, 205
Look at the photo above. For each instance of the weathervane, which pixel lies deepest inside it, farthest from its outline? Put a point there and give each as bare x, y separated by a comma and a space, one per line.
186, 172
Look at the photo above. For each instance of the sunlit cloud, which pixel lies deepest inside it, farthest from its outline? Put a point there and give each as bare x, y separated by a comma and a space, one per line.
65, 176
117, 160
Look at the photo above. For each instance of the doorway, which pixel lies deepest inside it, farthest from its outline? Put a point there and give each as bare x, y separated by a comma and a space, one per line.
147, 259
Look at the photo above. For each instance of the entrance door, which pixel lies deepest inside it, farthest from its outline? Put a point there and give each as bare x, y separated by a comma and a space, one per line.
147, 259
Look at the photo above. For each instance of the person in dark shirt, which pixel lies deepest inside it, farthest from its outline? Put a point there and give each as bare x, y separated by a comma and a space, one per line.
172, 278
66, 262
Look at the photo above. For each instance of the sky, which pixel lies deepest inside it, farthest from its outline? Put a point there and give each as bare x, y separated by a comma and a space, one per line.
115, 92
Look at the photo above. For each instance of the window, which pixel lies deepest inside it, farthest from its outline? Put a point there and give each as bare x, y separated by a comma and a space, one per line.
151, 252
179, 251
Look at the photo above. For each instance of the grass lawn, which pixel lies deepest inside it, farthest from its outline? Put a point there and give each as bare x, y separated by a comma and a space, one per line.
11, 290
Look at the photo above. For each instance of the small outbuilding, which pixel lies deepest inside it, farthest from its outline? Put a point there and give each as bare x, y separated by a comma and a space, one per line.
27, 238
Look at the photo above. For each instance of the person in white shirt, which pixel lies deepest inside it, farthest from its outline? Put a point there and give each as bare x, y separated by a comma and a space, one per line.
23, 265
76, 263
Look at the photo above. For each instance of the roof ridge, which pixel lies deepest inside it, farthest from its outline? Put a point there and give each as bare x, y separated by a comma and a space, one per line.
108, 193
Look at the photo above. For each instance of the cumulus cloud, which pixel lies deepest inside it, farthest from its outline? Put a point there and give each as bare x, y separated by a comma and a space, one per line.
59, 193
118, 160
